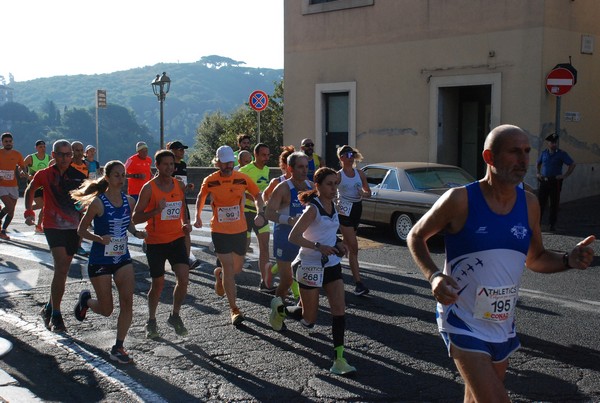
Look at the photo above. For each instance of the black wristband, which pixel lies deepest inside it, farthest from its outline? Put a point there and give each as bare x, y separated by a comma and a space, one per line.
566, 260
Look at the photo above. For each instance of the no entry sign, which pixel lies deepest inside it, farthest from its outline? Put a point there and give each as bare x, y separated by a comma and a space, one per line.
559, 81
258, 100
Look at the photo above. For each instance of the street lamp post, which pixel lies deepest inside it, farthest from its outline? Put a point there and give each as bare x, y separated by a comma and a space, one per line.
160, 87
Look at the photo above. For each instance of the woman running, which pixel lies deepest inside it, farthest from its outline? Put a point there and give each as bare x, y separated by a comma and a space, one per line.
111, 210
352, 188
319, 261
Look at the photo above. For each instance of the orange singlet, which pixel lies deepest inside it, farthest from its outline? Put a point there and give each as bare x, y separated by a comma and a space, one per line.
166, 226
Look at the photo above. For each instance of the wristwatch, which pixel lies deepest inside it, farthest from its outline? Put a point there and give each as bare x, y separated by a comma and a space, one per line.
317, 245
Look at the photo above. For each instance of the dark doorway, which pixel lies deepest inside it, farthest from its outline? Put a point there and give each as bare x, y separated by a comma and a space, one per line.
336, 126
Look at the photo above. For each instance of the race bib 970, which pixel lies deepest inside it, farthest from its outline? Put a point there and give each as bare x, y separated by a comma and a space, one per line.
172, 211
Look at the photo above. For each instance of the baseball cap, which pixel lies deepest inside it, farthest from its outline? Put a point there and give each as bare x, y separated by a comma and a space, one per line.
306, 141
89, 147
552, 138
40, 143
176, 145
140, 145
225, 154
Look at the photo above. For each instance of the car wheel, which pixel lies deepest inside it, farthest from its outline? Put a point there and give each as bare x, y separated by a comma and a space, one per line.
401, 225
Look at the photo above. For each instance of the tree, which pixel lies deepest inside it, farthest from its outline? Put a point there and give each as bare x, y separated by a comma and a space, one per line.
218, 129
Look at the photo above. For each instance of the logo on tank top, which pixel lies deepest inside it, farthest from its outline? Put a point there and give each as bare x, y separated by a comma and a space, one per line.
519, 231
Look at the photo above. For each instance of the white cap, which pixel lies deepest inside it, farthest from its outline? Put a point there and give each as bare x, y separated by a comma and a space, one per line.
225, 154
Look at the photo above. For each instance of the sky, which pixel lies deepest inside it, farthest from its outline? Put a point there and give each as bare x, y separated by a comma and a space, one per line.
44, 38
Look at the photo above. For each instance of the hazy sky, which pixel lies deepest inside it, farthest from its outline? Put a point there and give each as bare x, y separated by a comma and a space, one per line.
44, 38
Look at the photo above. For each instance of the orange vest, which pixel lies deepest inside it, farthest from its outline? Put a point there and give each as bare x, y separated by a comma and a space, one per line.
166, 226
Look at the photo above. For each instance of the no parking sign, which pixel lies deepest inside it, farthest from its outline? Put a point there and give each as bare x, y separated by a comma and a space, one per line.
259, 100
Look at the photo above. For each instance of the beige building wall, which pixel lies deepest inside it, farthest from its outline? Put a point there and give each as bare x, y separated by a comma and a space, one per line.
409, 67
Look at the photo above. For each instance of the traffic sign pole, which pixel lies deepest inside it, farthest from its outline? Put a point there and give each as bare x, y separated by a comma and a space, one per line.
558, 82
258, 101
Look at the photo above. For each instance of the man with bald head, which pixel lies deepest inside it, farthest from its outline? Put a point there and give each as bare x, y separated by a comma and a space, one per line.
492, 230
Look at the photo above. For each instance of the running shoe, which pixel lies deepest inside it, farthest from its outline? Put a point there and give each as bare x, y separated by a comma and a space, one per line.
276, 319
39, 229
4, 236
341, 367
120, 355
81, 307
306, 325
262, 287
57, 325
177, 324
195, 263
237, 317
151, 329
219, 289
46, 315
360, 289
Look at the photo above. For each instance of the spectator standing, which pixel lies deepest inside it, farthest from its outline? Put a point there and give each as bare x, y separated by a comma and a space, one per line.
161, 206
550, 176
352, 188
314, 161
110, 209
36, 162
178, 149
138, 169
10, 161
492, 230
227, 189
60, 222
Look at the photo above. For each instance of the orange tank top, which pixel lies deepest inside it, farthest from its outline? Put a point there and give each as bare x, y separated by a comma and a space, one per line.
166, 226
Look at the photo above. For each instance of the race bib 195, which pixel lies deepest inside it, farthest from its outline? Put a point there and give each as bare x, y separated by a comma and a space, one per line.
495, 304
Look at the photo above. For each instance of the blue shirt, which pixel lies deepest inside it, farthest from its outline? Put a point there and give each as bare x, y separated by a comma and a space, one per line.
552, 163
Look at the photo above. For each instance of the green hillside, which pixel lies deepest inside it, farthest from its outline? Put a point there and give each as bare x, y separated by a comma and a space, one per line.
213, 83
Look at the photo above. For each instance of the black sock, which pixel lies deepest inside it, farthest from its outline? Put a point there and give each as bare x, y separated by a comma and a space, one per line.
338, 327
118, 344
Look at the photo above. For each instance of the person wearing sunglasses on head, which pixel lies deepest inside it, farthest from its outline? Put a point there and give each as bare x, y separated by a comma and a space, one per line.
314, 161
353, 187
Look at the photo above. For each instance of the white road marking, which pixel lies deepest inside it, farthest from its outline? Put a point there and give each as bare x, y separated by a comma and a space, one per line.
88, 359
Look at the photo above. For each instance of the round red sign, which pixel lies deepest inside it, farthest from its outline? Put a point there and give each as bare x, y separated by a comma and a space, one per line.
559, 81
259, 100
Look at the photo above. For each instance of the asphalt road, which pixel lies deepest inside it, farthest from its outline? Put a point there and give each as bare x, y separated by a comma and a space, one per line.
391, 335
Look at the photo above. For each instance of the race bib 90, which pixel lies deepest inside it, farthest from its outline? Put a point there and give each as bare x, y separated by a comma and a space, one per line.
228, 214
344, 207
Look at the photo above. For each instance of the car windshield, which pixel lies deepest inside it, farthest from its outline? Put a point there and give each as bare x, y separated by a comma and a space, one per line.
437, 178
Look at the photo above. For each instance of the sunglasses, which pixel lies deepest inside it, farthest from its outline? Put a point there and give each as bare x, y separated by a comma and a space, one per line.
63, 155
350, 154
309, 145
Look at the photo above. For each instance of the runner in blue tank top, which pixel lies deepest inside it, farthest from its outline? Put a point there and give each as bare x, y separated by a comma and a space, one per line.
284, 208
110, 209
492, 231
